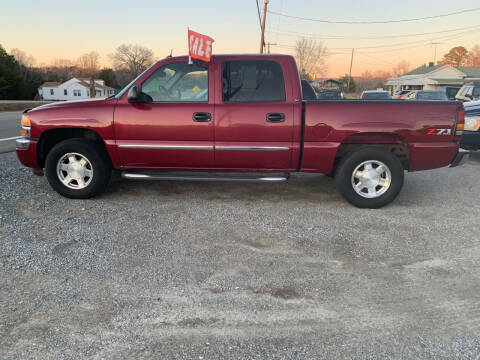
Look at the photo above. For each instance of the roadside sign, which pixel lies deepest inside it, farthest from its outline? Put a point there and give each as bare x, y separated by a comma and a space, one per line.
199, 46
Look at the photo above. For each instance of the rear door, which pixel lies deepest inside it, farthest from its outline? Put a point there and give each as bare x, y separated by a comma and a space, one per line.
254, 117
175, 129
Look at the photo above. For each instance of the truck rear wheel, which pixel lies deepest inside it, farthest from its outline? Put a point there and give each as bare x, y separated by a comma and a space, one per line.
78, 168
370, 177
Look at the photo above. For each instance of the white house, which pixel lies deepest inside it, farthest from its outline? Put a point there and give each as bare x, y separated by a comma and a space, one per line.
74, 89
435, 77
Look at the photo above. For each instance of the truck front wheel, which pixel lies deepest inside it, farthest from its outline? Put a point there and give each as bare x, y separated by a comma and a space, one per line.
369, 177
78, 168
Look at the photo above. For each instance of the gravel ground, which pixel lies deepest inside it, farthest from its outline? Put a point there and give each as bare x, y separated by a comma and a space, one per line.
184, 270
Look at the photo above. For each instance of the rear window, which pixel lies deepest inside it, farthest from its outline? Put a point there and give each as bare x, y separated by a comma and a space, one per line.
252, 81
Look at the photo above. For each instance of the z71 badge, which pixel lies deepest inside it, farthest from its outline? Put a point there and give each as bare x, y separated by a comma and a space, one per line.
439, 132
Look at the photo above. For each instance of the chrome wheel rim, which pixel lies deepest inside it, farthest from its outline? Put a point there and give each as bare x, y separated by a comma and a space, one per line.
371, 179
74, 171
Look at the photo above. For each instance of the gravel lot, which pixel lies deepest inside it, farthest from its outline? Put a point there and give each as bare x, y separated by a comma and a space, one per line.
183, 270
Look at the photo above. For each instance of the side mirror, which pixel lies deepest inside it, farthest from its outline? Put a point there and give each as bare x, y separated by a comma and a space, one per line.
133, 95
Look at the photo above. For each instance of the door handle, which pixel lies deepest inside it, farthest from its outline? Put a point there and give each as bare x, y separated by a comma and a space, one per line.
202, 117
275, 117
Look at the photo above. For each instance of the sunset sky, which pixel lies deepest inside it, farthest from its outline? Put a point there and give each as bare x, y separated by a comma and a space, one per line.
59, 29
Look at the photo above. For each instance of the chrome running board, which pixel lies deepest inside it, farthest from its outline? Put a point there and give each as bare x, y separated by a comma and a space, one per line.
204, 176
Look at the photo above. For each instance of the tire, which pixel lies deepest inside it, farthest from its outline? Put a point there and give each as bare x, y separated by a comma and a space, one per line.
73, 177
369, 177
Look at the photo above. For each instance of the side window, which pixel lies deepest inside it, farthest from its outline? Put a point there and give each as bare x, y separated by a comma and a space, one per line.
252, 81
178, 82
476, 91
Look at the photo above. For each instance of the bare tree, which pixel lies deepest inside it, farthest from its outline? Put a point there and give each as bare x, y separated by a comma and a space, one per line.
473, 57
402, 68
26, 60
89, 63
311, 57
133, 58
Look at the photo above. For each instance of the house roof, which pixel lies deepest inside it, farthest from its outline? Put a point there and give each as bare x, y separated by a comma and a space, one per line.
50, 84
97, 85
424, 69
448, 81
470, 71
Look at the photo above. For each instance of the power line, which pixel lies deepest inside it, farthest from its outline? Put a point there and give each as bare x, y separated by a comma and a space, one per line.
259, 16
374, 21
423, 41
335, 37
375, 58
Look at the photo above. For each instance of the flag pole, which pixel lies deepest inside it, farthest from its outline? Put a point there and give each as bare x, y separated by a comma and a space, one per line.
190, 62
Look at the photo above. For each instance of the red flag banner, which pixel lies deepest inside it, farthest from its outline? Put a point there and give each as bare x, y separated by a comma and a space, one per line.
199, 46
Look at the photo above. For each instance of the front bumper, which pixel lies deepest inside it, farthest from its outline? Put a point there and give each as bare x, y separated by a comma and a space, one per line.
22, 143
461, 158
27, 151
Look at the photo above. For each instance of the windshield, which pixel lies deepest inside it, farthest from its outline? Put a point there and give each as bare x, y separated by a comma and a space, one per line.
432, 95
329, 95
125, 89
376, 96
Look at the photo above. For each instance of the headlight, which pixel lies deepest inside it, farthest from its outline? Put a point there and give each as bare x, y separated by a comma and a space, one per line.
26, 123
472, 123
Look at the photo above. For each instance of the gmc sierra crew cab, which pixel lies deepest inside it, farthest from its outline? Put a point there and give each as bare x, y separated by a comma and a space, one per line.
238, 117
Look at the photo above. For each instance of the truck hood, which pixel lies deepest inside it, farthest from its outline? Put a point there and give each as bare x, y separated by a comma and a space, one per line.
71, 103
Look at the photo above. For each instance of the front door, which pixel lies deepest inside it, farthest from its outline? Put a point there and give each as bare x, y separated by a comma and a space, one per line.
175, 128
254, 121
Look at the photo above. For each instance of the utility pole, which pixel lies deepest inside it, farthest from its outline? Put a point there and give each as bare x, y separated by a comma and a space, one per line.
264, 19
268, 46
350, 72
435, 53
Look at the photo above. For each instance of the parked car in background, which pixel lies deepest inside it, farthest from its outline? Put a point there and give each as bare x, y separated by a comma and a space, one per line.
401, 94
428, 95
308, 93
471, 131
452, 91
469, 92
330, 95
376, 95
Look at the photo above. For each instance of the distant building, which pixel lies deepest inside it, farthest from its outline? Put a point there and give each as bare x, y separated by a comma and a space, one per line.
434, 77
73, 89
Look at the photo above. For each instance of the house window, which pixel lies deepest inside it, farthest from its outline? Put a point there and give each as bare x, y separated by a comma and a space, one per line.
65, 92
98, 93
76, 93
51, 91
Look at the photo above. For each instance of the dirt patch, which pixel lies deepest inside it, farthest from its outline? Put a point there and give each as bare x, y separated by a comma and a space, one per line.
282, 293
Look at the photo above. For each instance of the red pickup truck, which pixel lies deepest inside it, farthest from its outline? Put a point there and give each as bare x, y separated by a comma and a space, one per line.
239, 117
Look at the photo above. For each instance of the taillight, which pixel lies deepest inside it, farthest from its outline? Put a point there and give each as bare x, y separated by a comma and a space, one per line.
460, 124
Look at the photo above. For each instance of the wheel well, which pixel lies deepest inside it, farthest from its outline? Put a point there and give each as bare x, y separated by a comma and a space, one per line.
390, 142
52, 137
